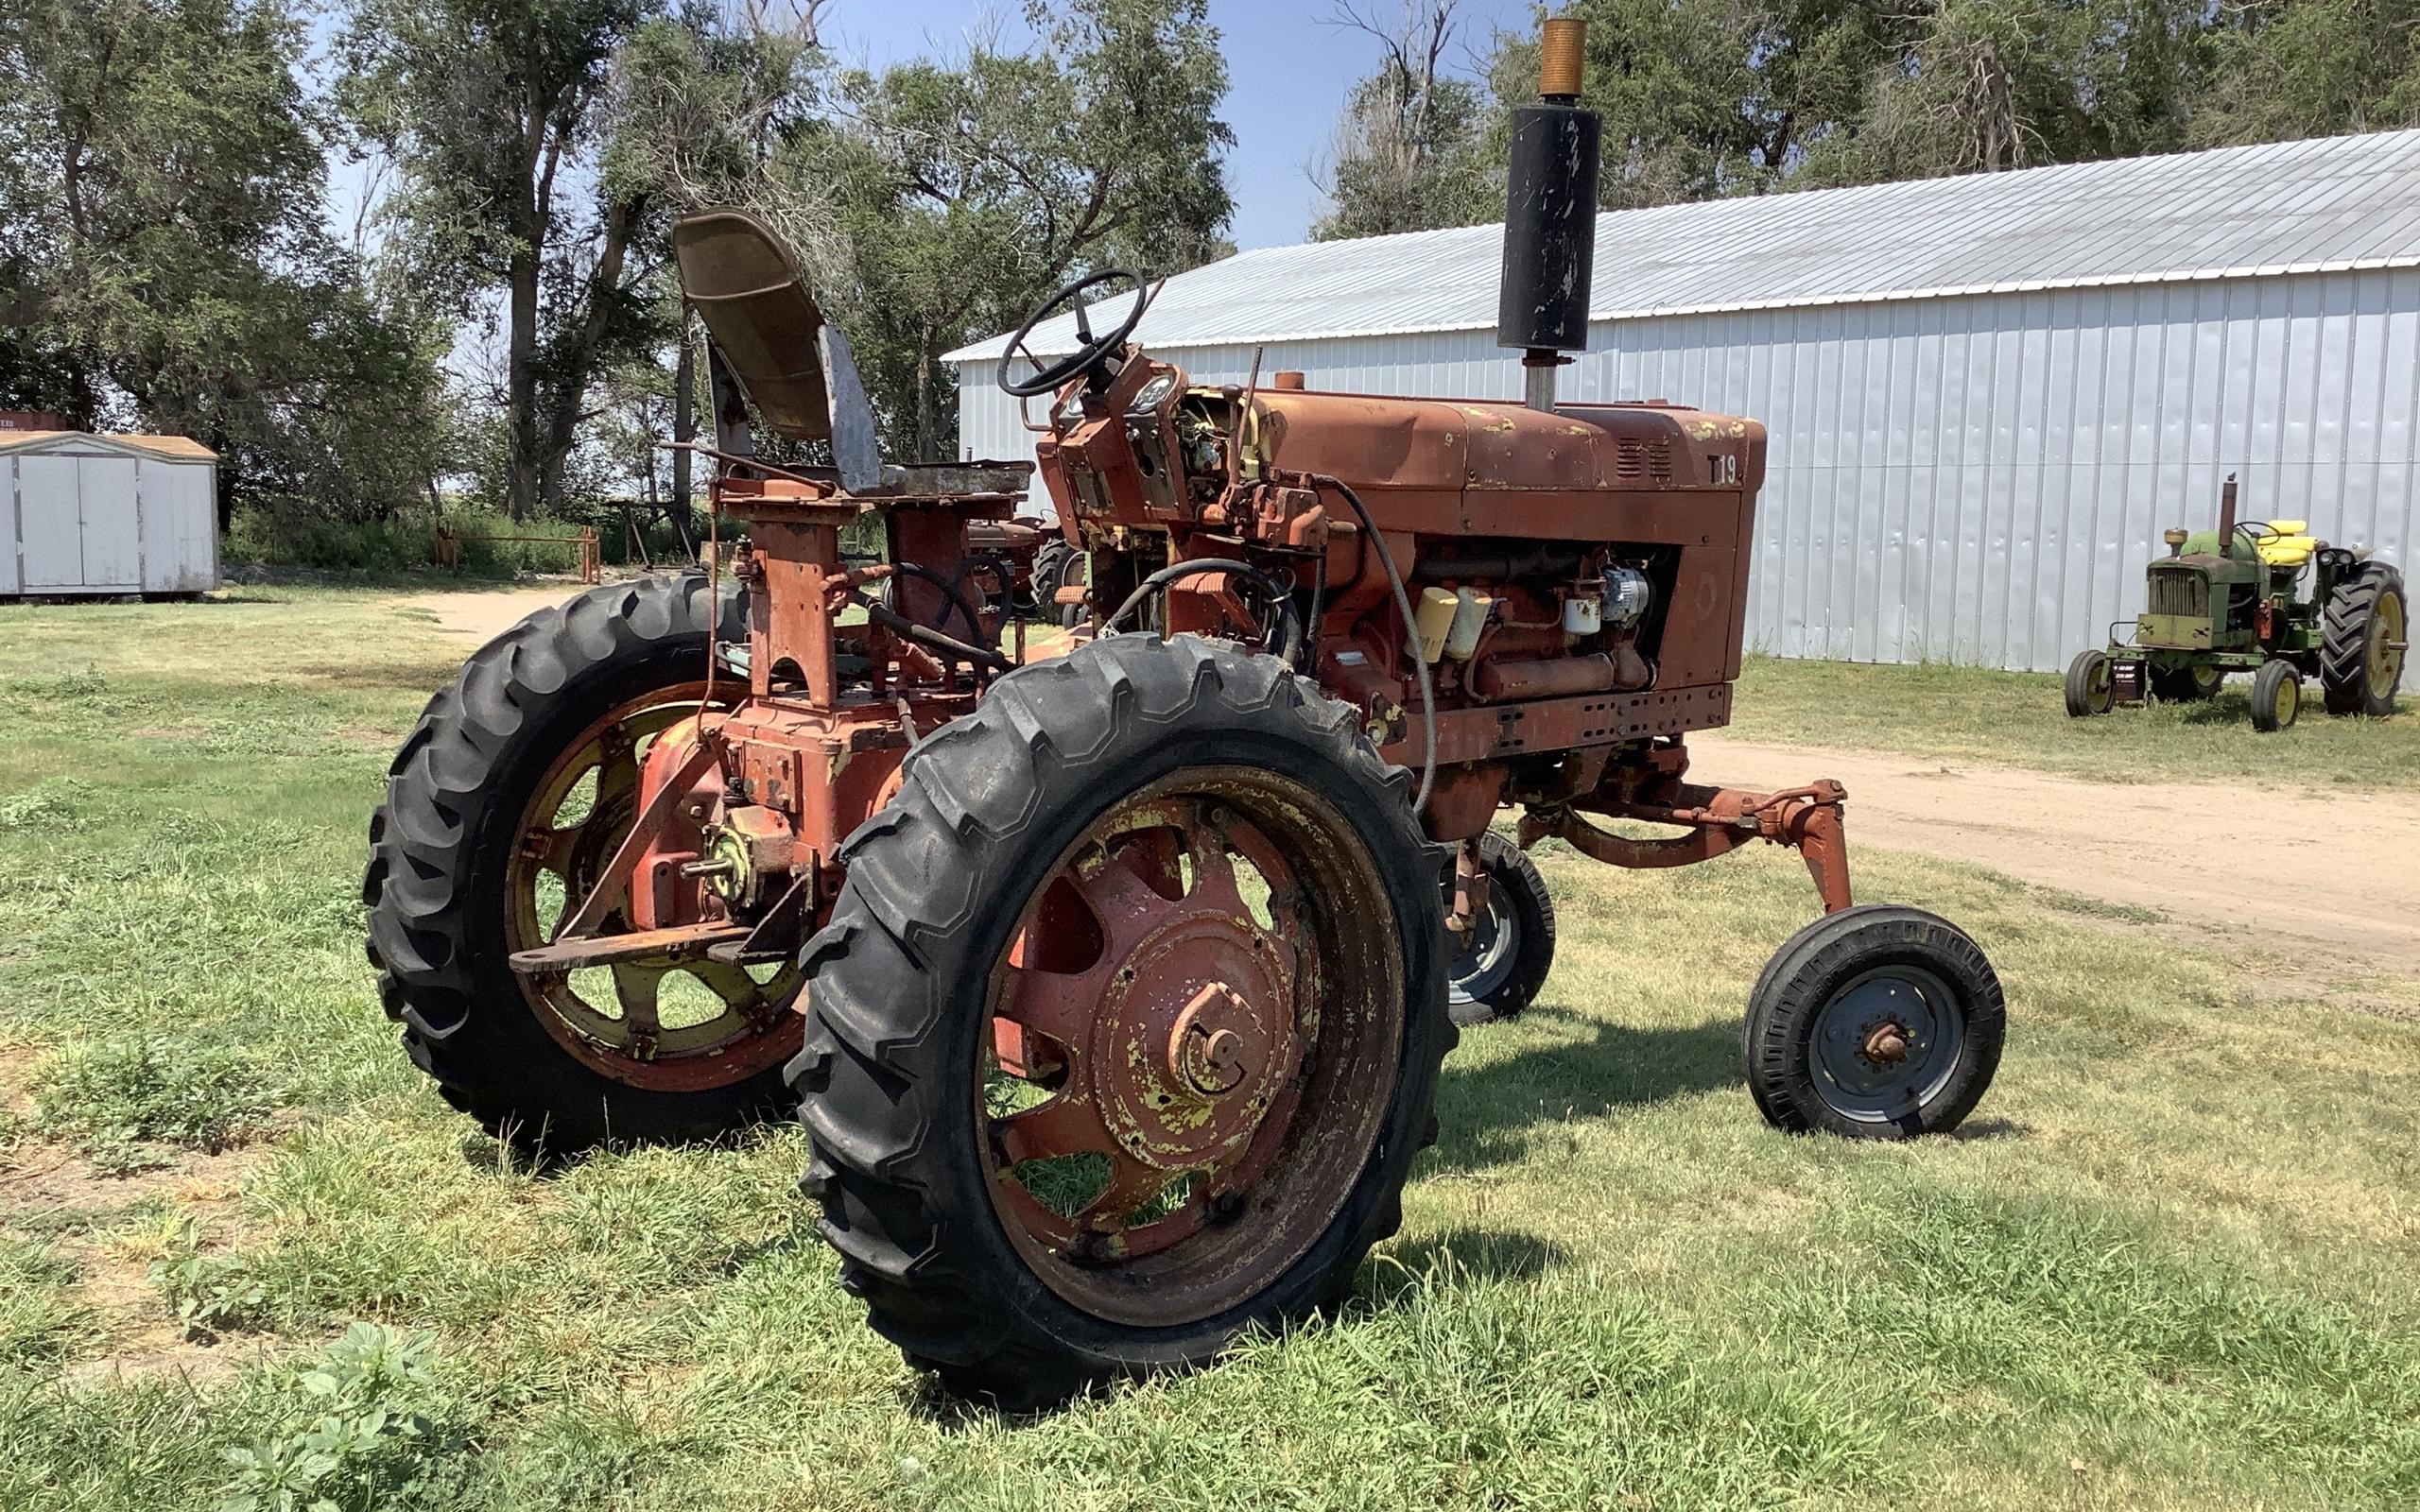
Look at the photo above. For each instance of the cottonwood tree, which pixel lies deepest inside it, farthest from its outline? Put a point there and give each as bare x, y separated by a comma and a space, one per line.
2309, 68
165, 263
1410, 150
967, 191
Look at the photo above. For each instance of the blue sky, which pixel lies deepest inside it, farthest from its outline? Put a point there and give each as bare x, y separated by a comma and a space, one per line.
1287, 74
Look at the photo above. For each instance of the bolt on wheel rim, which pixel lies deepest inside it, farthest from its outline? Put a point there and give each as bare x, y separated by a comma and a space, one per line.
1193, 1035
674, 1027
1886, 1044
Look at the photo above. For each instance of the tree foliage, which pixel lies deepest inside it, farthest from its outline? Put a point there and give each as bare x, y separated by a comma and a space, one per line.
164, 261
1703, 98
1411, 148
969, 191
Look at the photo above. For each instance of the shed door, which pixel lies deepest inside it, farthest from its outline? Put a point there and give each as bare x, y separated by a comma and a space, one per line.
47, 522
112, 524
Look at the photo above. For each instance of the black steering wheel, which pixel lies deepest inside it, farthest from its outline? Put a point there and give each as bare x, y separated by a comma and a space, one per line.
1093, 352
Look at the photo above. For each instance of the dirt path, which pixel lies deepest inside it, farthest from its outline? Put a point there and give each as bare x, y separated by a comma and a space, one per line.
480, 617
2330, 878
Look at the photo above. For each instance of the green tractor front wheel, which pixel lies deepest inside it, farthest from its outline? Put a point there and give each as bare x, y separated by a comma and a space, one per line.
2276, 695
2091, 688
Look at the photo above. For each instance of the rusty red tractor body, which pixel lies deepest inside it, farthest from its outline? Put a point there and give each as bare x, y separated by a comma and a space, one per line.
1112, 978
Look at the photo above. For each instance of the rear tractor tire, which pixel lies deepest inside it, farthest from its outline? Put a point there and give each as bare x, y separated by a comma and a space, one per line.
2090, 689
1049, 571
1127, 1022
2364, 639
501, 810
2276, 697
1512, 947
1877, 1022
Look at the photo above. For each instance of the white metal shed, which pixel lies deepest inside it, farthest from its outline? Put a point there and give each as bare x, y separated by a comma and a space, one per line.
1987, 395
89, 514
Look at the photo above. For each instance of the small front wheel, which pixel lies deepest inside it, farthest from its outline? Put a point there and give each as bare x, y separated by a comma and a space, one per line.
1877, 1022
2276, 695
2090, 687
1512, 945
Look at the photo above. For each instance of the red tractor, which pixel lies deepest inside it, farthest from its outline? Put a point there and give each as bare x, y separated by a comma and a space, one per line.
1112, 986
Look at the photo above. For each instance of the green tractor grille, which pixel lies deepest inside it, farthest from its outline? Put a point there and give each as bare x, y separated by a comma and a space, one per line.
2180, 591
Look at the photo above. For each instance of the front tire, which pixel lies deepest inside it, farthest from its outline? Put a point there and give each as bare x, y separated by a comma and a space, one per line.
1512, 949
501, 809
1877, 1022
1011, 984
2276, 697
2090, 688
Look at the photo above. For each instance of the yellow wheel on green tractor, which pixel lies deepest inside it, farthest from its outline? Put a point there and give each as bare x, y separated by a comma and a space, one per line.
2276, 695
2091, 689
2196, 684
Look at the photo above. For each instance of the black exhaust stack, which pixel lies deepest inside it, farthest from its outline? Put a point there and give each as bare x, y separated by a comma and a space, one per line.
1550, 217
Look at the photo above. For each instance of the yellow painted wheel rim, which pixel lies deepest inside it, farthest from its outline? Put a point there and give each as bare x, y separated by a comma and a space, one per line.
2386, 634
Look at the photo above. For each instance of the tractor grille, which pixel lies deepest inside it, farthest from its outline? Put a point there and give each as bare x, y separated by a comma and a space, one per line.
1637, 459
2180, 591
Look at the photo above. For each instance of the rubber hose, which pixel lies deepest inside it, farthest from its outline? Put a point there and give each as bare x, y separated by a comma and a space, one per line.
1403, 604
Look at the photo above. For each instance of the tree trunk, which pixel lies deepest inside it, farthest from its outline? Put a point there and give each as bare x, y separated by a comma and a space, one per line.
685, 421
569, 382
521, 396
928, 416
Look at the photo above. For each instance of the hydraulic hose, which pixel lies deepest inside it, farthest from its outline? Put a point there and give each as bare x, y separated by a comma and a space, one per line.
1289, 629
925, 635
1403, 606
956, 600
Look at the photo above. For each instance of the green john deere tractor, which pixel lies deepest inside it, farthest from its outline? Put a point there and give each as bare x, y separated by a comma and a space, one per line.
2267, 599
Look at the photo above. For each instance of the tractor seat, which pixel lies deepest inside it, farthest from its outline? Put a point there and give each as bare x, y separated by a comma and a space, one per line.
2287, 544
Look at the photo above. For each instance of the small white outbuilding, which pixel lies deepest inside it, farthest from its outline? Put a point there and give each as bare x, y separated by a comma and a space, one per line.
92, 514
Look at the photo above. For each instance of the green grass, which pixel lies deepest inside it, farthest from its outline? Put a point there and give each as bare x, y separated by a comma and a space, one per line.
2020, 718
2168, 1265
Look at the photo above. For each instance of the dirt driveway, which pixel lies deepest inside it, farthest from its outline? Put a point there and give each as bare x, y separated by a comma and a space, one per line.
480, 617
2330, 878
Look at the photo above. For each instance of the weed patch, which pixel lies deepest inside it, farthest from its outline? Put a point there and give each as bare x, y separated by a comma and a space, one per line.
117, 1095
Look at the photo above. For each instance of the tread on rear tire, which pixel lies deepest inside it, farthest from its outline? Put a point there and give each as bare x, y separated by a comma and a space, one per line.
2345, 630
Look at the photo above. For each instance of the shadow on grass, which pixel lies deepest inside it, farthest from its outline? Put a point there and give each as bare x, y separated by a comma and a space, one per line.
1391, 1279
1486, 1107
1457, 1254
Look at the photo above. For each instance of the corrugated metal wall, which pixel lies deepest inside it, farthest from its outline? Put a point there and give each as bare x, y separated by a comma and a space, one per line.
1975, 479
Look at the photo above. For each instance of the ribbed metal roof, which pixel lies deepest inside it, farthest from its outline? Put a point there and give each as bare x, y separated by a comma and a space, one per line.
2287, 207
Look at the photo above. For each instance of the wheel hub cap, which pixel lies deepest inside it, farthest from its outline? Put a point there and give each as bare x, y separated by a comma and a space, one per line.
1886, 1041
1184, 1065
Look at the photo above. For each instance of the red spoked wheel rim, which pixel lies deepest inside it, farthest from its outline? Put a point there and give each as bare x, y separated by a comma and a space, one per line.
1193, 1035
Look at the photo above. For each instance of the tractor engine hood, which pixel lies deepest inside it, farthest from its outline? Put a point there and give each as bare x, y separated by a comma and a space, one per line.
1476, 448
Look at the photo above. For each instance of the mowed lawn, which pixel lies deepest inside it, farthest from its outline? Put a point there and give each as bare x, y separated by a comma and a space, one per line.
2169, 1264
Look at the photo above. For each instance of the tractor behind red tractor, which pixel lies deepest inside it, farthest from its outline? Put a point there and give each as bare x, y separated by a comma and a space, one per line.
1112, 986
